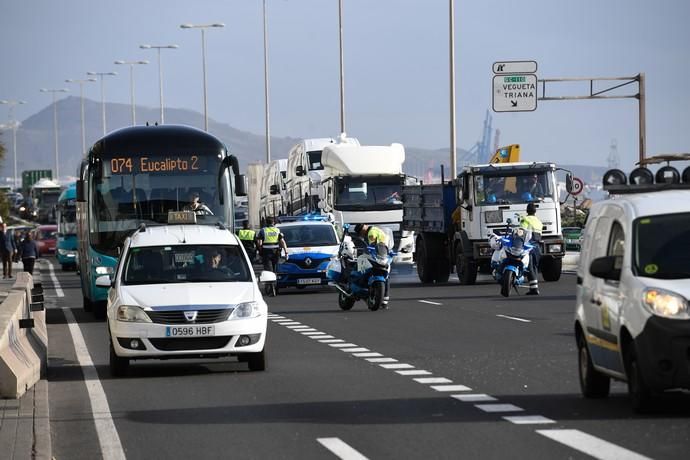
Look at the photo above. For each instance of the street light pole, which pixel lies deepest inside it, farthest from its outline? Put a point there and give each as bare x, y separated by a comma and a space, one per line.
14, 124
131, 85
203, 28
81, 103
160, 71
55, 125
342, 69
266, 106
453, 165
100, 76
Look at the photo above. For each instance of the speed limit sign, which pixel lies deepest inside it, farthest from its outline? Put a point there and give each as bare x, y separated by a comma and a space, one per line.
578, 185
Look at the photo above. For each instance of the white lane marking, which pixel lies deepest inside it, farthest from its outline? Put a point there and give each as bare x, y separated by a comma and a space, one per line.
414, 372
322, 337
304, 329
397, 366
429, 302
528, 419
340, 449
428, 380
514, 318
291, 323
451, 388
56, 283
591, 445
474, 397
370, 354
341, 345
298, 327
354, 350
310, 333
331, 340
111, 448
499, 407
382, 360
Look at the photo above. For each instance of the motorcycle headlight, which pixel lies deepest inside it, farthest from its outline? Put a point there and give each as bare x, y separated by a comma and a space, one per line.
104, 270
132, 314
246, 310
555, 248
665, 303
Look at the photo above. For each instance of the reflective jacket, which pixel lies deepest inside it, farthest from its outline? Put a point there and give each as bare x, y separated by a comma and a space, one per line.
270, 237
246, 234
376, 235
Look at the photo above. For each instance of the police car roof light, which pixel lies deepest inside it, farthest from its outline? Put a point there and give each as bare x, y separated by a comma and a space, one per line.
640, 176
615, 177
667, 175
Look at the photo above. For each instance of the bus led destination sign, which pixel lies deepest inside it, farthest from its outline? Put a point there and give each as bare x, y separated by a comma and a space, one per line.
157, 164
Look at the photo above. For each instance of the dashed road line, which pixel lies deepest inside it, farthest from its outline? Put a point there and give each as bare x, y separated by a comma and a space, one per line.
56, 283
499, 407
522, 320
478, 397
354, 350
397, 366
342, 345
528, 419
429, 380
321, 337
382, 360
341, 449
332, 341
450, 388
430, 302
414, 372
591, 445
370, 354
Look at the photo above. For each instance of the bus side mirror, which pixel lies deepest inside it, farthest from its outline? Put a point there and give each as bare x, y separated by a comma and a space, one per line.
80, 191
299, 170
240, 185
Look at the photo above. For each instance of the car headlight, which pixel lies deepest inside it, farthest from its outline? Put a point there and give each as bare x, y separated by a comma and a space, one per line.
132, 314
104, 270
66, 252
493, 217
665, 303
555, 248
246, 310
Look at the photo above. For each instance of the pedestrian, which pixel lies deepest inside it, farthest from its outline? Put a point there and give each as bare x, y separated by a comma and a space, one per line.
531, 223
247, 237
28, 251
7, 250
269, 242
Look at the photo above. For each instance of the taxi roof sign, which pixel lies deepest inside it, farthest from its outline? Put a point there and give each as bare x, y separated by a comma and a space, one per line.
181, 217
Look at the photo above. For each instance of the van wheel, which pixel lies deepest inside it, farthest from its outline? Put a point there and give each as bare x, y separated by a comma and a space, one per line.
593, 383
639, 391
118, 365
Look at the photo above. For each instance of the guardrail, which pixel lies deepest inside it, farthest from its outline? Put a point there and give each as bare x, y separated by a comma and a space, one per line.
23, 337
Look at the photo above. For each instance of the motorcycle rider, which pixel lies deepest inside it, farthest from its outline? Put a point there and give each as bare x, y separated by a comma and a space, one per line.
374, 235
532, 224
269, 243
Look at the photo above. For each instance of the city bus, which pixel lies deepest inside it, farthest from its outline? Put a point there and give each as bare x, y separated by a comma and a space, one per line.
135, 176
66, 252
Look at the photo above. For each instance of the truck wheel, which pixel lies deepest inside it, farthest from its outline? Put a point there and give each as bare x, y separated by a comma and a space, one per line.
425, 270
593, 383
466, 269
441, 264
640, 393
551, 268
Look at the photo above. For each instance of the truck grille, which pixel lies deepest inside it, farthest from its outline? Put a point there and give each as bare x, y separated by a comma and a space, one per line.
177, 316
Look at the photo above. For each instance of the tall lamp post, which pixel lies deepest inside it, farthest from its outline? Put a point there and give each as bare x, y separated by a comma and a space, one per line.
100, 77
203, 28
81, 83
55, 125
342, 69
268, 121
453, 165
13, 124
160, 71
131, 65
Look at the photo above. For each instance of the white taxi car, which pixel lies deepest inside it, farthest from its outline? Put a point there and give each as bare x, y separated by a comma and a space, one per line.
184, 291
632, 319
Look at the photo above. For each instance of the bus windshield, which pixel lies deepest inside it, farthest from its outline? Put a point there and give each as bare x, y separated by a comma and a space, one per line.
380, 193
131, 191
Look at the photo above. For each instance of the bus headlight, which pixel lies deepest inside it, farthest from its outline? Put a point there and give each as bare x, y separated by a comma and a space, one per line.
665, 303
104, 270
132, 314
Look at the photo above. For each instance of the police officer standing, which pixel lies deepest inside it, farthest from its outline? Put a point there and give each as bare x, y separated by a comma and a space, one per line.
269, 242
247, 237
531, 223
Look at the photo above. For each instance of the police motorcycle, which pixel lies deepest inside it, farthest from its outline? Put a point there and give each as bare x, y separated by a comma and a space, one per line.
361, 271
510, 259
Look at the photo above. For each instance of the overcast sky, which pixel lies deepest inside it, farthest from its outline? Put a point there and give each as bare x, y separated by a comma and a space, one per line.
396, 66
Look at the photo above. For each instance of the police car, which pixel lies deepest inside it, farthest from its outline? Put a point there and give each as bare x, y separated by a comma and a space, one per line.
312, 242
632, 319
183, 291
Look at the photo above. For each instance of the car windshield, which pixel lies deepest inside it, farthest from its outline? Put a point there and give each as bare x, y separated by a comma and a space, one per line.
309, 235
185, 264
662, 246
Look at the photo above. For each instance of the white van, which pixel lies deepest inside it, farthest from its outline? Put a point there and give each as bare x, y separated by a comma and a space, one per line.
632, 319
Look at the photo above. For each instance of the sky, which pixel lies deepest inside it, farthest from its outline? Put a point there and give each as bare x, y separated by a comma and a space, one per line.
396, 66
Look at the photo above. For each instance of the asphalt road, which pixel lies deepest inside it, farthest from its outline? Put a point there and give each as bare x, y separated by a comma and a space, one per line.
446, 372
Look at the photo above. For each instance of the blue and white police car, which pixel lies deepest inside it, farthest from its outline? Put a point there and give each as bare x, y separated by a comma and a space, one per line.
312, 242
185, 291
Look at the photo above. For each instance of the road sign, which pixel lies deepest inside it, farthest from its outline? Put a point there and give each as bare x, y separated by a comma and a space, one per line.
509, 67
578, 185
515, 93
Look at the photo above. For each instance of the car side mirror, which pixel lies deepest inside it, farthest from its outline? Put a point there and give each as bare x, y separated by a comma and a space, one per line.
104, 281
608, 268
267, 277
